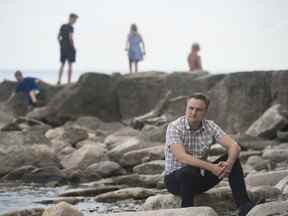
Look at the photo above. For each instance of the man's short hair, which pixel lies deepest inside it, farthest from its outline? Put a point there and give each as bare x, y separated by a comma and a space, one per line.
18, 73
73, 15
199, 96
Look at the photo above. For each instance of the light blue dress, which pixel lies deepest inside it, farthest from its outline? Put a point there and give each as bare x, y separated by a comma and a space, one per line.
135, 52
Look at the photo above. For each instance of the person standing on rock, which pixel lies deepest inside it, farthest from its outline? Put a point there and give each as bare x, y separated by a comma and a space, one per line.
194, 59
187, 170
67, 47
27, 85
133, 47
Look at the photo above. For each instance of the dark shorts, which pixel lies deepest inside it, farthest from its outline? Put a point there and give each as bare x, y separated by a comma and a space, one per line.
67, 54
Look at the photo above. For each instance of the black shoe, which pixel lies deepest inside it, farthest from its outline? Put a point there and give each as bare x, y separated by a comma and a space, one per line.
245, 208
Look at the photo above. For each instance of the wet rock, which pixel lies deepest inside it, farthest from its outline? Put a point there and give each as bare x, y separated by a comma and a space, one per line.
91, 191
136, 193
269, 178
84, 157
62, 209
152, 167
271, 208
136, 157
26, 212
70, 200
105, 169
276, 155
18, 173
133, 180
258, 163
269, 123
45, 175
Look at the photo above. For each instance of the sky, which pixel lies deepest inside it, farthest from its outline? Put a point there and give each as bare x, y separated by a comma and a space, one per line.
234, 35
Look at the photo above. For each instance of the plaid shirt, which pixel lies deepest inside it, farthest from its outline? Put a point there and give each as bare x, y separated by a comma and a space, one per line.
196, 142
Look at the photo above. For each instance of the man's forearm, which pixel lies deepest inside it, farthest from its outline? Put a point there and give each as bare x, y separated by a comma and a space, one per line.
188, 159
233, 153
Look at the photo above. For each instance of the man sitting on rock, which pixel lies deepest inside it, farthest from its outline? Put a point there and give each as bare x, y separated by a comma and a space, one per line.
187, 170
28, 86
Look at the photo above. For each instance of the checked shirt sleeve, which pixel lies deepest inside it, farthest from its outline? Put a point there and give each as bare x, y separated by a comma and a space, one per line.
173, 135
217, 132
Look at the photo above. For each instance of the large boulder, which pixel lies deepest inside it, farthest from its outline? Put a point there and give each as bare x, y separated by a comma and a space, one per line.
152, 167
25, 212
136, 157
104, 169
62, 209
136, 193
83, 157
276, 155
20, 155
199, 211
93, 95
128, 144
274, 119
270, 208
268, 178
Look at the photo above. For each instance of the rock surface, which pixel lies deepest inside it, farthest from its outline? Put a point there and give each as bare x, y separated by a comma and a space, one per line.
268, 209
62, 209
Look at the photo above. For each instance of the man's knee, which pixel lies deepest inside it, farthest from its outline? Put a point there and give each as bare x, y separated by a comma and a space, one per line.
189, 173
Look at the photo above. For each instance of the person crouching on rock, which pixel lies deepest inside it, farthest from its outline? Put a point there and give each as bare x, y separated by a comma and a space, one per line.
28, 86
194, 59
187, 170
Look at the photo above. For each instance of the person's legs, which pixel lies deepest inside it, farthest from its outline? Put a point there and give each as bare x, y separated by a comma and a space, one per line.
136, 66
60, 73
70, 70
185, 183
130, 66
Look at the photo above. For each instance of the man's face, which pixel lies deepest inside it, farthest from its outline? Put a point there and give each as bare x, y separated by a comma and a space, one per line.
195, 110
73, 20
18, 77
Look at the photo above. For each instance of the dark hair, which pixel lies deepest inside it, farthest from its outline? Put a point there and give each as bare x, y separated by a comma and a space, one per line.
199, 96
18, 73
134, 28
73, 15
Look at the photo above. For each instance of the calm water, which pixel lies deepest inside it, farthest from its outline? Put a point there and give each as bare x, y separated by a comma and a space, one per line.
26, 196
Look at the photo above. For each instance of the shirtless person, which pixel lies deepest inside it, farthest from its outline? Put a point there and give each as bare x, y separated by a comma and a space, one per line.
194, 60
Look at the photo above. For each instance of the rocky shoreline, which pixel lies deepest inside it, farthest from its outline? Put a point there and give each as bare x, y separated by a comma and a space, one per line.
105, 136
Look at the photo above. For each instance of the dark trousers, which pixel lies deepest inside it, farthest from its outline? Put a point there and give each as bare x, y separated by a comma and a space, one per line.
188, 181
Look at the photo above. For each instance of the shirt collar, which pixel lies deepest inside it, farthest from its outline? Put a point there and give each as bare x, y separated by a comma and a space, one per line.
187, 126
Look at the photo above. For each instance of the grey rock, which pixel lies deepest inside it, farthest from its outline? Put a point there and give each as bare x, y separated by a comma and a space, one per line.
271, 208
136, 157
269, 123
84, 157
90, 191
62, 209
258, 163
136, 193
269, 178
105, 169
152, 167
276, 155
26, 212
199, 211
